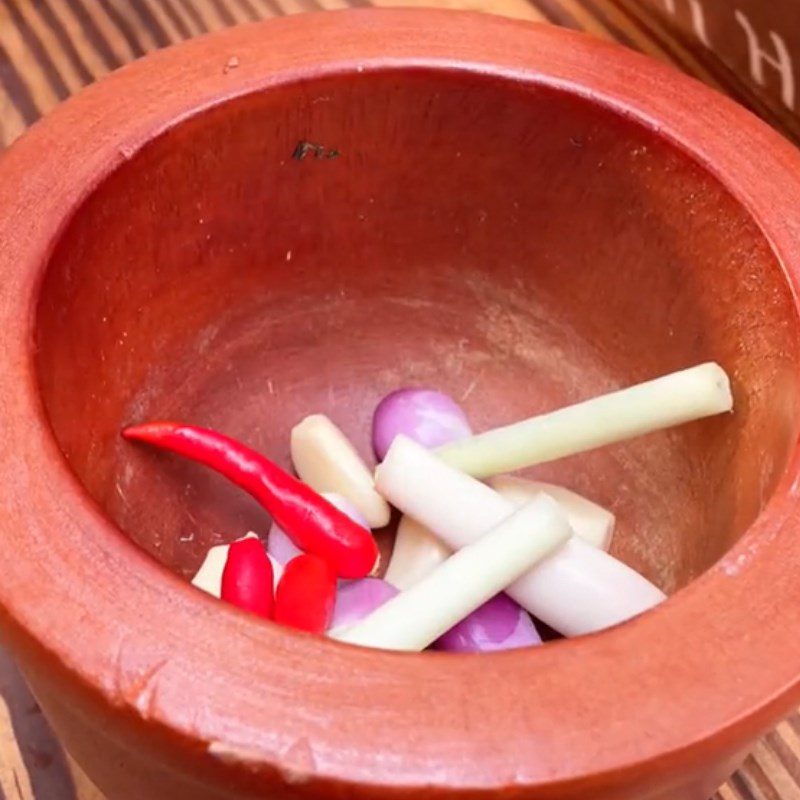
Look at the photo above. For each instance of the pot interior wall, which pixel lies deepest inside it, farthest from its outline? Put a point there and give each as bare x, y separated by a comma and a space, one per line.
514, 245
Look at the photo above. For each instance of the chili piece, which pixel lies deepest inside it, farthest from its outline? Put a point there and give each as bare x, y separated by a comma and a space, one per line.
306, 595
309, 520
247, 578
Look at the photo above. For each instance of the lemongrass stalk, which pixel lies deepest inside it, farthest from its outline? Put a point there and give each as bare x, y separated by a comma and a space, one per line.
417, 551
578, 589
674, 399
418, 616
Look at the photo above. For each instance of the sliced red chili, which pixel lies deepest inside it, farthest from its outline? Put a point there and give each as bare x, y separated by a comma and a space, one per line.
247, 579
306, 595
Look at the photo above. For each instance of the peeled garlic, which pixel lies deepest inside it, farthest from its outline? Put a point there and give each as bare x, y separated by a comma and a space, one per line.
590, 521
416, 553
326, 460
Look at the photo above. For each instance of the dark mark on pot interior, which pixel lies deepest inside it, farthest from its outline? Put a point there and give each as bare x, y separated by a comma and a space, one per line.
305, 148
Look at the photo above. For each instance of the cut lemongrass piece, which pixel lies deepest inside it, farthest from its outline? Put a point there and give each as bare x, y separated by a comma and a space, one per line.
416, 553
326, 460
417, 617
593, 523
691, 394
209, 576
578, 589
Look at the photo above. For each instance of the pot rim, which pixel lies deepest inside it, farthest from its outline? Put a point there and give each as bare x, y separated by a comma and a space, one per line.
267, 703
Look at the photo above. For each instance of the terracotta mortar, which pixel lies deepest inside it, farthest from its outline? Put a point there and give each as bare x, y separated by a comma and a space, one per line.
302, 215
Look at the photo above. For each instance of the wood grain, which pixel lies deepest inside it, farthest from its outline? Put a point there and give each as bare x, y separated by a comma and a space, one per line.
49, 49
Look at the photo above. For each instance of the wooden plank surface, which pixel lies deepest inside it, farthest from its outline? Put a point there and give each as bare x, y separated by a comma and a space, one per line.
51, 48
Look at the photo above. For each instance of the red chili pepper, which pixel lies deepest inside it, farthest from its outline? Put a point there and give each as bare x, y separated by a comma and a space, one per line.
306, 595
310, 521
247, 578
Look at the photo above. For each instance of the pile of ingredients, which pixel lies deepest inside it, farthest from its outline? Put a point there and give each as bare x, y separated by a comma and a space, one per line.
480, 556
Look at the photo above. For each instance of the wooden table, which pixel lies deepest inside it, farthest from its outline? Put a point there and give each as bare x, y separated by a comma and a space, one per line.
51, 48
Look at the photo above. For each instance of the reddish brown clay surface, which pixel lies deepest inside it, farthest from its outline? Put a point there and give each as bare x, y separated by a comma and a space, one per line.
517, 215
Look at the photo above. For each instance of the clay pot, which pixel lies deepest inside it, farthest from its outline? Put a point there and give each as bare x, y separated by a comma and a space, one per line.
300, 216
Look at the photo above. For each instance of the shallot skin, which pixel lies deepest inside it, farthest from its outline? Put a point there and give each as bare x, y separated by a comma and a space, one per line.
429, 417
499, 624
357, 599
